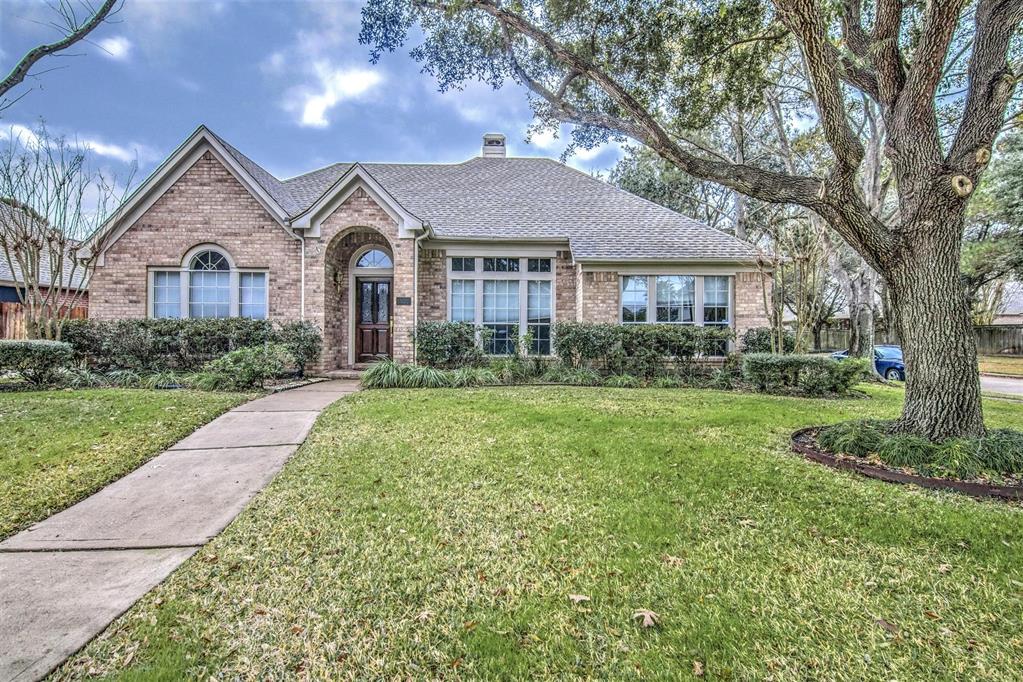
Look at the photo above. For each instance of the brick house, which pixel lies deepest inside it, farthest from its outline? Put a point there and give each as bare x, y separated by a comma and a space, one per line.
367, 250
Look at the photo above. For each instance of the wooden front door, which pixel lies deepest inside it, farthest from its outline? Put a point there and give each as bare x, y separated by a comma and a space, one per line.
372, 318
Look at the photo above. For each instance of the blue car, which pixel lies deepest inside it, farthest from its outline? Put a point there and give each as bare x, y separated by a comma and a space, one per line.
887, 360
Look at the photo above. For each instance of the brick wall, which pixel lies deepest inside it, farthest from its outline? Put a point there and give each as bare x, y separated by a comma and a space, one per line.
433, 285
564, 288
749, 301
207, 205
600, 296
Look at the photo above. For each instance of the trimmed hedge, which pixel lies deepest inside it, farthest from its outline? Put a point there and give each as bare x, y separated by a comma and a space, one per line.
145, 345
450, 344
35, 361
809, 374
644, 350
250, 367
758, 340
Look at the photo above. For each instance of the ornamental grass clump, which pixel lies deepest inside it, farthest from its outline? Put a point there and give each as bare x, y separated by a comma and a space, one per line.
384, 374
421, 376
858, 438
623, 381
473, 377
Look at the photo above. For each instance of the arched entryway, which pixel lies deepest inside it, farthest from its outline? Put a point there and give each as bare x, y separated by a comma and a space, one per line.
358, 298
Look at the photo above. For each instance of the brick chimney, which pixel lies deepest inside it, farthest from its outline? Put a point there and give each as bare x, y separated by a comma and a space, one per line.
493, 146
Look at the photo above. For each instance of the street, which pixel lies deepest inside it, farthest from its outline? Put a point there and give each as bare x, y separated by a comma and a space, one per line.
1003, 385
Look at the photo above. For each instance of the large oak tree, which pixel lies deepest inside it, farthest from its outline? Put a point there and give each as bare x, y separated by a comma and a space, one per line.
656, 71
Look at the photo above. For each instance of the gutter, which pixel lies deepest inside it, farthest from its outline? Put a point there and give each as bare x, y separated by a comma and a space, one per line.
415, 284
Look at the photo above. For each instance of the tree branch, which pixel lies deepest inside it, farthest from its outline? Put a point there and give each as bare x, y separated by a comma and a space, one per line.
75, 33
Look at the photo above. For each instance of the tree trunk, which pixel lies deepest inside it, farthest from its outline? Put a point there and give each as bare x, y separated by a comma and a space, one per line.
942, 379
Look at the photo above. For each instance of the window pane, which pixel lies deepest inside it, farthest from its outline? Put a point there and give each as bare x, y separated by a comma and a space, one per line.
383, 302
676, 296
463, 300
500, 265
209, 293
538, 316
166, 294
634, 299
252, 295
209, 260
463, 264
501, 313
366, 302
374, 259
539, 265
715, 300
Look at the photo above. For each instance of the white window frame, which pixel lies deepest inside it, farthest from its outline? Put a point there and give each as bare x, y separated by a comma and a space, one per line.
698, 300
522, 276
184, 270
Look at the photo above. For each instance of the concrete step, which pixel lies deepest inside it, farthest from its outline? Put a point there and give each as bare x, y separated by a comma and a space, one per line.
342, 374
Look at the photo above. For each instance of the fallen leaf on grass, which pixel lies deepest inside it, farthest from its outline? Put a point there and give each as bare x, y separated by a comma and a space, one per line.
578, 598
296, 629
697, 669
932, 615
673, 561
424, 616
647, 618
890, 627
944, 568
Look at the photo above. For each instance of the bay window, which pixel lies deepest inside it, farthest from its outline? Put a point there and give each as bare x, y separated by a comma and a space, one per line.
510, 296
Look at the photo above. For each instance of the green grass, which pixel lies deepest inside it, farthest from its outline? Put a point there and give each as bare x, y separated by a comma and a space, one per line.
57, 447
426, 534
1000, 364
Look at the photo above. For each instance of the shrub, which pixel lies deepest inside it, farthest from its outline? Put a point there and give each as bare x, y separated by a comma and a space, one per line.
421, 376
810, 374
515, 370
147, 345
643, 349
668, 381
857, 438
450, 344
906, 450
76, 377
124, 378
955, 458
384, 374
251, 366
758, 340
471, 377
623, 381
1002, 450
303, 341
34, 361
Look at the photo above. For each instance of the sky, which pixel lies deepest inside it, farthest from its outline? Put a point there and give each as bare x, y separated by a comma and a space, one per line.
284, 81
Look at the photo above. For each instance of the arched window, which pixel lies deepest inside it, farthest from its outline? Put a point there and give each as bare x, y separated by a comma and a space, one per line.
374, 258
209, 285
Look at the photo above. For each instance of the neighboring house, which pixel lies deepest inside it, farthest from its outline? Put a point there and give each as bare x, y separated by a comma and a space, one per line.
11, 280
1010, 312
367, 250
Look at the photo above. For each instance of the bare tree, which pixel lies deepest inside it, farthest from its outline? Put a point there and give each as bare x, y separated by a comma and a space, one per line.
628, 70
74, 21
50, 202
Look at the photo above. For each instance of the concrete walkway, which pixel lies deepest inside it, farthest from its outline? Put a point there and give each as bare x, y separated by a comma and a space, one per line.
65, 579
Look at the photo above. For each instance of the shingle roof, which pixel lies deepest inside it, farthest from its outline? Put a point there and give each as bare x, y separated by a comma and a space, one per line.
73, 276
522, 198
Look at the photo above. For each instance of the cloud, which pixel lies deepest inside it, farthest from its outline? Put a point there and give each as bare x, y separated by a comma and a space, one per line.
334, 85
316, 58
21, 135
116, 48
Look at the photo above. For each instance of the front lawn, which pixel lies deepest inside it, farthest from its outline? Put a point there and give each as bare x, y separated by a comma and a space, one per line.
57, 447
1001, 364
425, 534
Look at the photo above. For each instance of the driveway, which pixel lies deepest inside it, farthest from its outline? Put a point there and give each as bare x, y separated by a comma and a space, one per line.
1003, 385
66, 578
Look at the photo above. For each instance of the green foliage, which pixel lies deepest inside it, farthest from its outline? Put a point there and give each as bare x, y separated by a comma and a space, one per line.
34, 361
384, 374
858, 438
156, 345
514, 370
645, 350
905, 450
421, 376
450, 344
998, 452
473, 377
668, 381
303, 341
76, 377
559, 373
251, 366
758, 340
623, 381
808, 374
123, 378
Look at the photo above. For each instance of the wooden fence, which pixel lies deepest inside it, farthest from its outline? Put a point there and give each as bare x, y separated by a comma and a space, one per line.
992, 340
12, 319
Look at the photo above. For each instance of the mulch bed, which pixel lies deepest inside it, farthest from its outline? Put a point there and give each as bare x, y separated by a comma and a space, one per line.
804, 442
